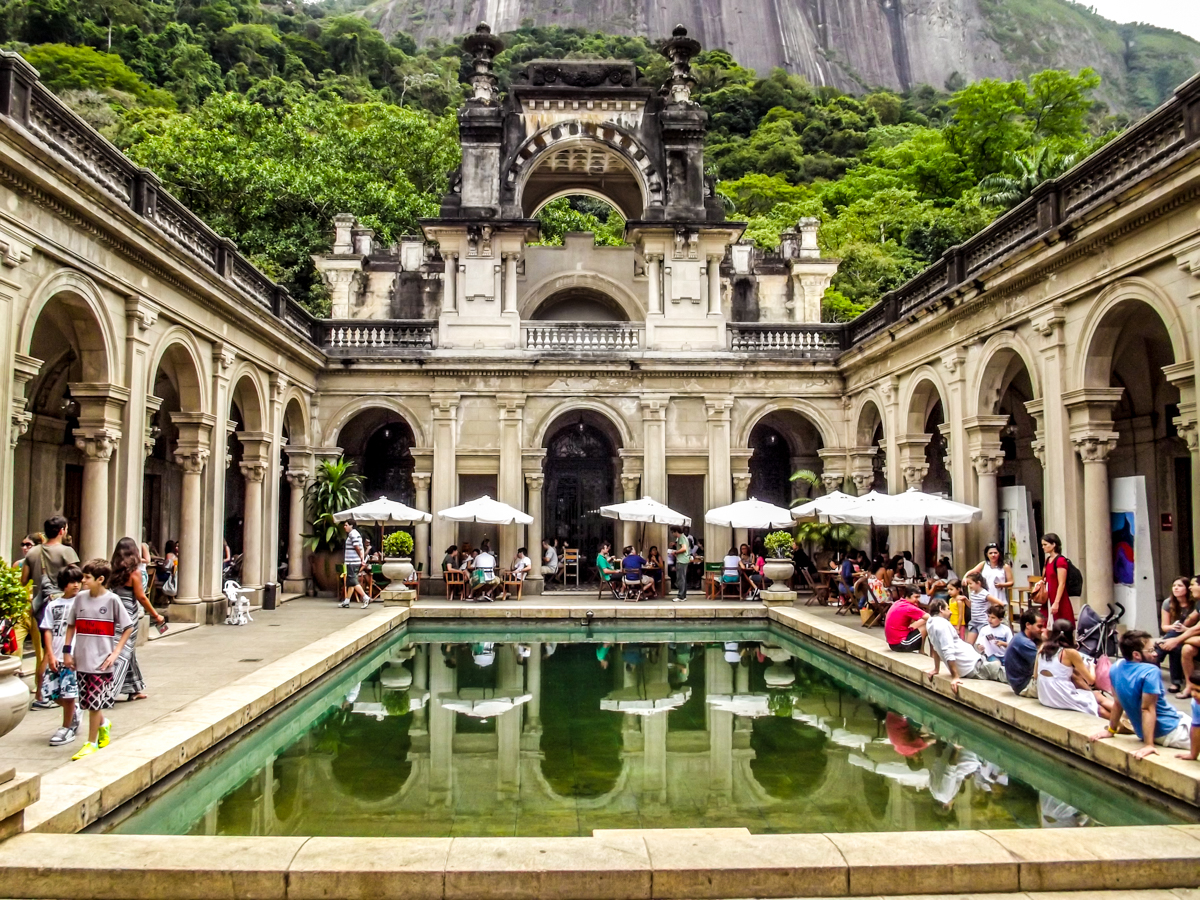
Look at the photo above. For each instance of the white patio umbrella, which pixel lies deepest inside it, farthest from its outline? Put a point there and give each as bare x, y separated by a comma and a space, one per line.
482, 703
383, 512
485, 509
823, 506
753, 706
645, 700
752, 514
912, 507
644, 510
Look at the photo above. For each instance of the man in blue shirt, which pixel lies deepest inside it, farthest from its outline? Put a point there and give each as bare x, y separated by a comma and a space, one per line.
631, 564
1021, 658
1137, 684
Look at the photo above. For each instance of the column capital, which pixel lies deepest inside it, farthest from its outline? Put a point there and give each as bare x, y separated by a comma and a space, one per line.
253, 472
987, 461
630, 482
298, 477
1094, 446
444, 406
862, 480
889, 390
1048, 323
718, 408
224, 356
742, 480
1188, 258
833, 481
511, 406
19, 421
535, 481
422, 480
654, 406
141, 313
1189, 431
98, 445
954, 362
192, 460
1038, 446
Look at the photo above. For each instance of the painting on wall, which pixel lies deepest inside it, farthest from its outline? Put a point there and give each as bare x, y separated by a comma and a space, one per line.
1123, 531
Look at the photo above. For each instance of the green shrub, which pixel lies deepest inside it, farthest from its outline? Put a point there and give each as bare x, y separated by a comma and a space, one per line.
398, 543
778, 544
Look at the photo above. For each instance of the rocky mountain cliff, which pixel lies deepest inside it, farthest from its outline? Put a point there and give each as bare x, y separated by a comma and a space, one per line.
855, 44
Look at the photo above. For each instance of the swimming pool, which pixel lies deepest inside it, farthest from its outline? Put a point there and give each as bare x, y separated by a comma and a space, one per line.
462, 730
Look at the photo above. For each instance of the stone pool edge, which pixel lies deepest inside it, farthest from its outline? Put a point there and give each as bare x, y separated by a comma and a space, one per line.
1063, 728
681, 864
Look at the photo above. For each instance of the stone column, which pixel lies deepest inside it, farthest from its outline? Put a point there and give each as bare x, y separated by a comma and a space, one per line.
510, 283
140, 317
297, 480
1061, 497
510, 487
444, 489
254, 465
534, 481
833, 470
101, 408
629, 492
421, 552
450, 284
97, 450
714, 287
654, 286
913, 468
741, 491
654, 460
195, 433
25, 369
983, 437
1093, 437
533, 687
14, 418
1187, 426
720, 479
862, 468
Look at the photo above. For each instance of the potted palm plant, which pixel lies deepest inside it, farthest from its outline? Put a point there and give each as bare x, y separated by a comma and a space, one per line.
397, 557
778, 566
14, 605
334, 488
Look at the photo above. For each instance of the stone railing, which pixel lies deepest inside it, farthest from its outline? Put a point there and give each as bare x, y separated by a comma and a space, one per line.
808, 341
1054, 210
27, 105
584, 337
376, 335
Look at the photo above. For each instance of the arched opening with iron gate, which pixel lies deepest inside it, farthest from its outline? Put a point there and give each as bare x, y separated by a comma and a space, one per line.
581, 469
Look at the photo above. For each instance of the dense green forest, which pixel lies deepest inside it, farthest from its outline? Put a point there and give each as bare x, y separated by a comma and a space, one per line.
268, 120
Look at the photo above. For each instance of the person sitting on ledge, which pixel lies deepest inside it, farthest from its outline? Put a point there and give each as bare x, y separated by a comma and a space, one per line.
1020, 660
1065, 680
1138, 686
904, 626
960, 657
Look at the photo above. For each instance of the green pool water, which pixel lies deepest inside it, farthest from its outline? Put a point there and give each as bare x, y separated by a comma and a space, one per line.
447, 731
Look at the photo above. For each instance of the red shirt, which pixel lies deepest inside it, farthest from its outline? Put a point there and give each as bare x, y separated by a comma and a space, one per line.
899, 617
1052, 573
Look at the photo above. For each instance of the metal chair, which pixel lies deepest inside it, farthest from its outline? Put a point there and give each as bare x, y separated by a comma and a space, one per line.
456, 583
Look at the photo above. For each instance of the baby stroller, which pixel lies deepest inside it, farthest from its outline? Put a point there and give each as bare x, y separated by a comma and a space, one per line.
238, 612
1097, 636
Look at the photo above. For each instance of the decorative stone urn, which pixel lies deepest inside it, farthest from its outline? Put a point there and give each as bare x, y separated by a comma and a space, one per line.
14, 695
779, 571
397, 569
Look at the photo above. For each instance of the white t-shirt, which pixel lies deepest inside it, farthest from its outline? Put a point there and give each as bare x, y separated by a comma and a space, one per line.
991, 575
989, 634
910, 569
950, 647
522, 566
981, 601
729, 567
54, 620
486, 564
550, 558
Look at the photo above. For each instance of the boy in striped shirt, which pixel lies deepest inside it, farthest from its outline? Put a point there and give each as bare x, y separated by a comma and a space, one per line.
98, 626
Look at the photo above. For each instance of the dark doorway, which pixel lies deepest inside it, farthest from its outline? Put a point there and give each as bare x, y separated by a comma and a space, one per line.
770, 466
579, 480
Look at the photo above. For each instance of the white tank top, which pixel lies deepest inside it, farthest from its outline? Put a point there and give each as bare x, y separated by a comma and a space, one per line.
991, 574
1056, 690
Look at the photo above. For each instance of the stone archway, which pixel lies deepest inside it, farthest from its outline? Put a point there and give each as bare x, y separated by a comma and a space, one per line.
580, 471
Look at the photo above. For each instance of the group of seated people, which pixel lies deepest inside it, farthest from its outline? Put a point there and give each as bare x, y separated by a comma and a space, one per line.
745, 566
1046, 664
631, 576
482, 570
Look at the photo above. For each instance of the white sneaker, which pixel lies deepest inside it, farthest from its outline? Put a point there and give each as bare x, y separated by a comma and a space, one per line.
64, 735
78, 718
345, 604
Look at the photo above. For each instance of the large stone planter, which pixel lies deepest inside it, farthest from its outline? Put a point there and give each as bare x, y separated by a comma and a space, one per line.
14, 696
323, 565
397, 569
779, 571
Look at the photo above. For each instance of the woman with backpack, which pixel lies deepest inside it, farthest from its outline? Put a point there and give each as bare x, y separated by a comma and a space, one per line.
1054, 594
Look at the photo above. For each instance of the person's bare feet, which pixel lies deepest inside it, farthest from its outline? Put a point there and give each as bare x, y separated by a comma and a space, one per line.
140, 695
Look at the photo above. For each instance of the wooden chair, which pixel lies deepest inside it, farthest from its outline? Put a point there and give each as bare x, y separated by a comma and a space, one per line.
712, 580
725, 586
413, 583
508, 581
613, 585
570, 565
456, 583
820, 592
631, 583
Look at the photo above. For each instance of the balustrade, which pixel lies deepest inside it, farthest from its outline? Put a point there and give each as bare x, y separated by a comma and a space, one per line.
813, 340
584, 336
378, 335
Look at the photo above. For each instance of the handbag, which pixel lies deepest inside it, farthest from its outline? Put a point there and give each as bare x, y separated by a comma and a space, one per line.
170, 587
1103, 678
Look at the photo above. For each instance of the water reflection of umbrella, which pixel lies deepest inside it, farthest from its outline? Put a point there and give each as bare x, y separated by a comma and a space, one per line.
754, 706
482, 703
380, 710
645, 700
893, 771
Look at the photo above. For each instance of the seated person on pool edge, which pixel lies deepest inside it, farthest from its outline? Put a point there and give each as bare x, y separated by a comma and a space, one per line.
904, 626
1138, 690
1020, 660
961, 658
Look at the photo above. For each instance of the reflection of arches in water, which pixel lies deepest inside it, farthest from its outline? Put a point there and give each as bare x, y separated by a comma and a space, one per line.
789, 757
286, 772
579, 479
371, 760
581, 743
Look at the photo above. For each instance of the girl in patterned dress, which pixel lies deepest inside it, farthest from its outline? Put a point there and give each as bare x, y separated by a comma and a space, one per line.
126, 583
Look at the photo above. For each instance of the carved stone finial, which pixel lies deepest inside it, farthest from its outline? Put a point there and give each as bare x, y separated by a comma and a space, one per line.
483, 47
679, 50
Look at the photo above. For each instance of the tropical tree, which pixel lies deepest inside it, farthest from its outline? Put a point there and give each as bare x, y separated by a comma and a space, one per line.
1041, 164
334, 488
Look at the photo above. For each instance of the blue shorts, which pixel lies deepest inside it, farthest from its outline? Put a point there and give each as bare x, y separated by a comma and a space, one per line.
60, 685
1196, 713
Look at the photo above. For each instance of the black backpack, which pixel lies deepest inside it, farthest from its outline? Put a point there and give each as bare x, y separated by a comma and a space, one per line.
1074, 580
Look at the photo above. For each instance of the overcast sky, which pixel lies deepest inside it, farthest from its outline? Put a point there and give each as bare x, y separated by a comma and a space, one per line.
1181, 15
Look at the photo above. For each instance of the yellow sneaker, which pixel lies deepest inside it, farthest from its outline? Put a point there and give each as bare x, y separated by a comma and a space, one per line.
105, 734
86, 750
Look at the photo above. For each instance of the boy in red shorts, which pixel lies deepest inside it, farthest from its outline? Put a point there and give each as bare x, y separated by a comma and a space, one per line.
97, 628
